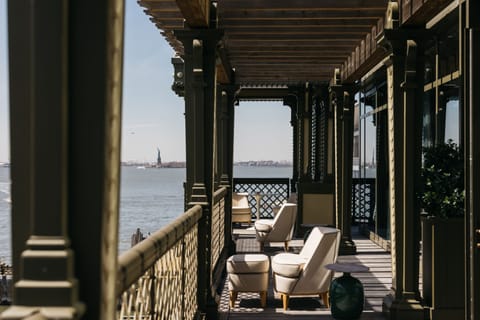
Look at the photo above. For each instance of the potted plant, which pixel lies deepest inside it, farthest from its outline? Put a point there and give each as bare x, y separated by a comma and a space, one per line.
442, 201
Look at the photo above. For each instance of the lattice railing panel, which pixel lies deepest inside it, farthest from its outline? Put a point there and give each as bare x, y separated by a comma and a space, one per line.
215, 252
218, 226
190, 285
314, 141
167, 288
363, 200
273, 192
322, 142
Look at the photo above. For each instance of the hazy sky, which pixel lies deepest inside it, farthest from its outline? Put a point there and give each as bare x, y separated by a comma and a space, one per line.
153, 114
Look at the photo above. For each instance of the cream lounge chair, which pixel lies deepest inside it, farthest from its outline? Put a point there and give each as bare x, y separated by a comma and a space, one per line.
241, 211
279, 229
304, 273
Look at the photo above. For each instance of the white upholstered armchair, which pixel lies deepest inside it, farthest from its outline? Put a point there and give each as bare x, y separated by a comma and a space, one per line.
304, 273
279, 229
241, 211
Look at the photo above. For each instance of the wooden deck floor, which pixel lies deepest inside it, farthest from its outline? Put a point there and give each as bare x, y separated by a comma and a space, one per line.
376, 284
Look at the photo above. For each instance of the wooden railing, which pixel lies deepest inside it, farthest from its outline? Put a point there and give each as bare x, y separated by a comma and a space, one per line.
218, 226
157, 278
273, 191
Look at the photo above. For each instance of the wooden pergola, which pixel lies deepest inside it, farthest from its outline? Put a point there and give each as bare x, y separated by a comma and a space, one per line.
282, 42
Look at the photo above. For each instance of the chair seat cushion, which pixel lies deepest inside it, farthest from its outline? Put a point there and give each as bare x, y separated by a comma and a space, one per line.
288, 264
248, 263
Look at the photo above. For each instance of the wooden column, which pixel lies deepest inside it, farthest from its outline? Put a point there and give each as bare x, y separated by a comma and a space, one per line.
470, 33
225, 152
412, 153
395, 74
66, 87
305, 123
347, 246
403, 103
291, 101
342, 104
322, 101
200, 56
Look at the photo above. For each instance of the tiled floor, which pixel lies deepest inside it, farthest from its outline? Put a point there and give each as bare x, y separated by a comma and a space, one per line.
376, 284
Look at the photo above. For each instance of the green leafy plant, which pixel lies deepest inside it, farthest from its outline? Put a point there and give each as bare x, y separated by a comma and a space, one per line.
443, 176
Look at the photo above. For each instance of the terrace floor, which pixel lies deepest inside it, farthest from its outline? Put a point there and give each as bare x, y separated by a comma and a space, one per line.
376, 284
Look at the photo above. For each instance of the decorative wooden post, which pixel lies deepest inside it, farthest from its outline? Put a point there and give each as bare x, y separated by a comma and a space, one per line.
200, 55
225, 152
403, 301
66, 88
412, 149
321, 102
343, 104
347, 246
304, 137
291, 101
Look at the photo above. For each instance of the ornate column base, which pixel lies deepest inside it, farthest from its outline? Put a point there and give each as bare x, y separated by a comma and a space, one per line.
406, 308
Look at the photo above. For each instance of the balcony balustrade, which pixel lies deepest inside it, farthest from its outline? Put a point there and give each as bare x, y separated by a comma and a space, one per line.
158, 278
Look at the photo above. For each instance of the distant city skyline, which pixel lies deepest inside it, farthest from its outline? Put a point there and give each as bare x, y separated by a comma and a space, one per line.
153, 116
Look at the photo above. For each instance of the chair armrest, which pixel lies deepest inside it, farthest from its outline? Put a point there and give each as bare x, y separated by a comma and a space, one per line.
288, 264
263, 226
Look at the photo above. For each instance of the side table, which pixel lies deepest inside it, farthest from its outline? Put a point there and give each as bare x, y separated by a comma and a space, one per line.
258, 198
346, 292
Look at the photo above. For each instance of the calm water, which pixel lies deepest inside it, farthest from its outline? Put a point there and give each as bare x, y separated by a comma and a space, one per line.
150, 199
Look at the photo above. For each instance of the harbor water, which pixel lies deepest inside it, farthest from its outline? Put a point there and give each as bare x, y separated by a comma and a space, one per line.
149, 199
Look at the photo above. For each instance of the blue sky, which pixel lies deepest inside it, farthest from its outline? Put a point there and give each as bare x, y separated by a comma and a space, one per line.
153, 114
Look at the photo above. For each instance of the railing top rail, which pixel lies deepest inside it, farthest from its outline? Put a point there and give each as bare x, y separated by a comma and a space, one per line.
363, 180
133, 263
261, 180
219, 194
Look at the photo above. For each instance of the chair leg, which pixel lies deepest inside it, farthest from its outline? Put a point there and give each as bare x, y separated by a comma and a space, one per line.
324, 297
285, 245
233, 297
263, 298
262, 246
285, 301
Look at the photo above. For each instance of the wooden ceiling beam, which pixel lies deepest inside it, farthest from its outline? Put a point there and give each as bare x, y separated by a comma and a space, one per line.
195, 12
285, 29
299, 15
319, 49
288, 54
167, 24
286, 62
287, 34
266, 93
159, 5
304, 4
260, 23
292, 56
332, 43
167, 15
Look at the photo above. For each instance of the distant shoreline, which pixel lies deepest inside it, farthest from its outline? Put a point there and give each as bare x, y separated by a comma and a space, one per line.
182, 164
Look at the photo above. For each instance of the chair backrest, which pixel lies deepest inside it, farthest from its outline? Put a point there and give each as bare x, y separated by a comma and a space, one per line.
320, 249
283, 223
240, 200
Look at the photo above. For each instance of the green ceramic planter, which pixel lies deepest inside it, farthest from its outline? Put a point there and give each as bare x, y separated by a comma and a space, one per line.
346, 297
